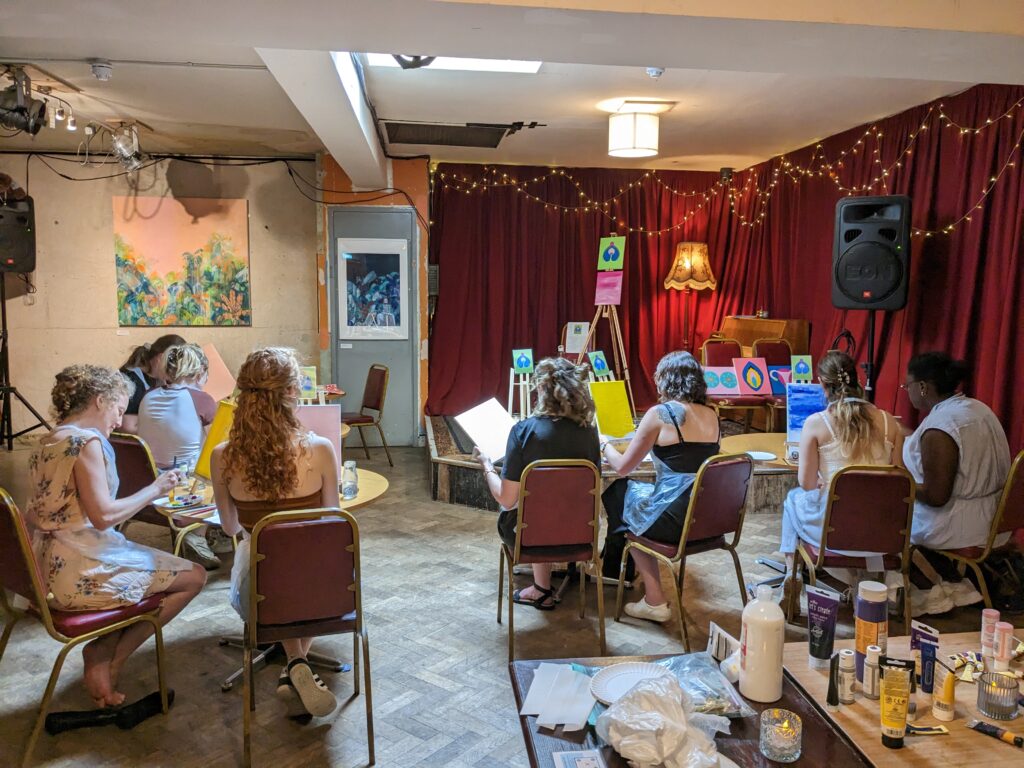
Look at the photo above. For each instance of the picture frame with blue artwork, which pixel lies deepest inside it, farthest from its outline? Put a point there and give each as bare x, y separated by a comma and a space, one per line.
802, 401
779, 376
599, 364
803, 369
522, 361
611, 253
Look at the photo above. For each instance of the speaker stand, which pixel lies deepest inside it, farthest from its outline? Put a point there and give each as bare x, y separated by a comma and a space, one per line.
869, 363
7, 389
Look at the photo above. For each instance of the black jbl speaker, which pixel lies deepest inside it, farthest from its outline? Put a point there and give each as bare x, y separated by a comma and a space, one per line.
871, 254
17, 236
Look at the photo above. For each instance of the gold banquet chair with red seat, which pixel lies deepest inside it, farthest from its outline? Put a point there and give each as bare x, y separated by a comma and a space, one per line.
721, 352
19, 574
374, 394
774, 352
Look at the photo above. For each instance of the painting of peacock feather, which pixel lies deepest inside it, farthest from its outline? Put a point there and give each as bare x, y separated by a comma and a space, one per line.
182, 261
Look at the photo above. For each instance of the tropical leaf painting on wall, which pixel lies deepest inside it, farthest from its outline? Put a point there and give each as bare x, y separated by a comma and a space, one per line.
176, 268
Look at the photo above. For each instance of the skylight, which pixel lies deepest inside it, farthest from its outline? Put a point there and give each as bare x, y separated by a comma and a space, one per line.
465, 65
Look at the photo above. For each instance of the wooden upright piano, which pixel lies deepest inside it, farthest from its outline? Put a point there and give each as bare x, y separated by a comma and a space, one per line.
747, 330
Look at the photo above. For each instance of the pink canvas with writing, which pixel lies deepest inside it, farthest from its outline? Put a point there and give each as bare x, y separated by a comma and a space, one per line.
220, 383
609, 288
323, 420
752, 375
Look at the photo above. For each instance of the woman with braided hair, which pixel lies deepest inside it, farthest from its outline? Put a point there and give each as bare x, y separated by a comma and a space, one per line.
271, 463
849, 431
86, 563
560, 428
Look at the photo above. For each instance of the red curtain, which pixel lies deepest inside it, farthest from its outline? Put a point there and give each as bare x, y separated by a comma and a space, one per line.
514, 267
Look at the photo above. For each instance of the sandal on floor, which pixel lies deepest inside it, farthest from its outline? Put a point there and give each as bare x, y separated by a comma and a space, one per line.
545, 602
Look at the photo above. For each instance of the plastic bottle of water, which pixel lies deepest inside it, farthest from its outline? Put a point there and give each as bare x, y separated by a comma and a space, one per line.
349, 481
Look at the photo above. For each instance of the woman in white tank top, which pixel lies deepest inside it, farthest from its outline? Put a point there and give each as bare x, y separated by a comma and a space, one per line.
849, 431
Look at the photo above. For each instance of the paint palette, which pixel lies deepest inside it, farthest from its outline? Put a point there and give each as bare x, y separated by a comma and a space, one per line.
184, 501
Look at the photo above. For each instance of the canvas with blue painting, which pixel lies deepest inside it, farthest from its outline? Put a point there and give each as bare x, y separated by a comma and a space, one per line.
802, 400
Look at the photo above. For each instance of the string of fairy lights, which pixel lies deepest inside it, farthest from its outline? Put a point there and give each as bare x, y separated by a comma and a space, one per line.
748, 196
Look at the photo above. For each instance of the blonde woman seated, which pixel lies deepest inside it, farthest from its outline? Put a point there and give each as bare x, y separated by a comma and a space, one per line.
560, 428
85, 562
681, 433
272, 464
849, 431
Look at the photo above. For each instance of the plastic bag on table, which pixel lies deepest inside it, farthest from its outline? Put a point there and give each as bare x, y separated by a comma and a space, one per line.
652, 725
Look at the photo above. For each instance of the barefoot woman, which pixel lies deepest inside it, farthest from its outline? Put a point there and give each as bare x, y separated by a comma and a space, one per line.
71, 516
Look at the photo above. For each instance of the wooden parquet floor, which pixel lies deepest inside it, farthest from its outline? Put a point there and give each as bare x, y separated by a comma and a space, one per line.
440, 682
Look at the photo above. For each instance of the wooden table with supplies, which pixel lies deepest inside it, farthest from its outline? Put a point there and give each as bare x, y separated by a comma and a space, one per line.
860, 720
823, 744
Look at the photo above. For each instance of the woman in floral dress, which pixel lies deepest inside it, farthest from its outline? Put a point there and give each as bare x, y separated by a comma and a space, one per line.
71, 516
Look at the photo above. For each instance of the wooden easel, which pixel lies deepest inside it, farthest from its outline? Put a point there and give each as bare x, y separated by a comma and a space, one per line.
519, 384
610, 313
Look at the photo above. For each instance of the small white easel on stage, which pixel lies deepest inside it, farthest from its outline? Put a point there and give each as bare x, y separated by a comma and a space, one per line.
519, 387
620, 367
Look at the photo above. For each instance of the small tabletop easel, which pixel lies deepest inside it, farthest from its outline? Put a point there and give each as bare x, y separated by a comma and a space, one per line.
519, 386
610, 313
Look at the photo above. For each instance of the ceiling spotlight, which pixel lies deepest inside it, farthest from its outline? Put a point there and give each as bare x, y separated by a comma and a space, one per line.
72, 124
101, 70
60, 113
18, 110
126, 147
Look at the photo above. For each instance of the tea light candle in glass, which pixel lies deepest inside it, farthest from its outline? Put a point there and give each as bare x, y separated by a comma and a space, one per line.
997, 696
781, 734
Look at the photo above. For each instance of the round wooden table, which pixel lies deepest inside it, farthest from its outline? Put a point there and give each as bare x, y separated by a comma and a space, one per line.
772, 479
371, 487
345, 429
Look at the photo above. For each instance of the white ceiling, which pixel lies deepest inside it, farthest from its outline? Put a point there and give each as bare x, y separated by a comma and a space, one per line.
749, 87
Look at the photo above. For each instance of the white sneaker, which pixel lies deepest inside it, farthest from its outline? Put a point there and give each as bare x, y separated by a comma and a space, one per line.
938, 601
962, 592
644, 610
219, 542
286, 693
198, 551
315, 696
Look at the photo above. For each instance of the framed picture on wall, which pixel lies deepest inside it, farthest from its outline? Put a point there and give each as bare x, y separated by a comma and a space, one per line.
373, 288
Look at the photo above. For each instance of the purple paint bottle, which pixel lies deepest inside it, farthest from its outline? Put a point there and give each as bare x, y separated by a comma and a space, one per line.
871, 612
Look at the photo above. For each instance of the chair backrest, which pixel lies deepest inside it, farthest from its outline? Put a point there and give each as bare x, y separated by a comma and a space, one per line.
559, 504
19, 572
135, 465
774, 351
1010, 513
870, 509
304, 568
376, 388
718, 497
720, 351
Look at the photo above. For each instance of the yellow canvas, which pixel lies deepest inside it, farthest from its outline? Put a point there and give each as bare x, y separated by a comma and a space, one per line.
220, 428
614, 417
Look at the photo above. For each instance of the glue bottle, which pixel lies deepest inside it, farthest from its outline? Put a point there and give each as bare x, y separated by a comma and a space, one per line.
761, 642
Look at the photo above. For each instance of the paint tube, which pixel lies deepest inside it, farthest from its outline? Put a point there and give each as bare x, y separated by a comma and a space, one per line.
912, 700
896, 674
944, 693
721, 645
832, 701
822, 611
927, 730
929, 651
996, 732
918, 631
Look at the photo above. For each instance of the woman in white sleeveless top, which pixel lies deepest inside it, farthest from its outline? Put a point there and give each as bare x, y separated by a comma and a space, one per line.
849, 431
958, 456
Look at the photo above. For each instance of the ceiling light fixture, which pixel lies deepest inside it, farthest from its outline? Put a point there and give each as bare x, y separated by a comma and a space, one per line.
457, 64
72, 124
125, 145
633, 134
19, 111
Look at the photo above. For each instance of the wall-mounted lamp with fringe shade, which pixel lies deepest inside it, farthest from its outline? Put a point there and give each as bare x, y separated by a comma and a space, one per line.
690, 271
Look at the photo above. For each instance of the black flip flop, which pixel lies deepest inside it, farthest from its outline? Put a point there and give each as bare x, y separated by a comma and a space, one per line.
540, 603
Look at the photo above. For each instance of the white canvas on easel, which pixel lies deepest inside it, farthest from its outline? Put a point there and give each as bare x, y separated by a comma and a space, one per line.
575, 337
488, 426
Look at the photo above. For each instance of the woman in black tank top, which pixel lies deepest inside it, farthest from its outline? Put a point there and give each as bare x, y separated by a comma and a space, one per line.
658, 511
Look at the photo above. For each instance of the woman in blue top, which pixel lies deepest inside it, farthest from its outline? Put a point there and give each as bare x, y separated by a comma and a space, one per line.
681, 433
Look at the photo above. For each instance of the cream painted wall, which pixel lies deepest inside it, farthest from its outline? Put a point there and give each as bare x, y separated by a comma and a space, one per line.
74, 316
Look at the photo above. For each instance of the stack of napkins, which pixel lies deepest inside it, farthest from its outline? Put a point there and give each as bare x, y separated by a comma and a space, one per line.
559, 695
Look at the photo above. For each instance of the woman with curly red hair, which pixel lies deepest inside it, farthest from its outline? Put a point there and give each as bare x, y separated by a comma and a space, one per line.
271, 464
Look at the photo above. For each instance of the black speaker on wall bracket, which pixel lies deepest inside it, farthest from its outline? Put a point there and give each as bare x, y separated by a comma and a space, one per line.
871, 253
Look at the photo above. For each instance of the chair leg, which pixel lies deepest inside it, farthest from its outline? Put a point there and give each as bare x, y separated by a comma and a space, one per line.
384, 442
746, 421
44, 705
369, 695
739, 575
583, 591
678, 595
161, 676
974, 567
362, 439
10, 620
622, 582
511, 626
600, 607
355, 660
501, 580
247, 706
906, 600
